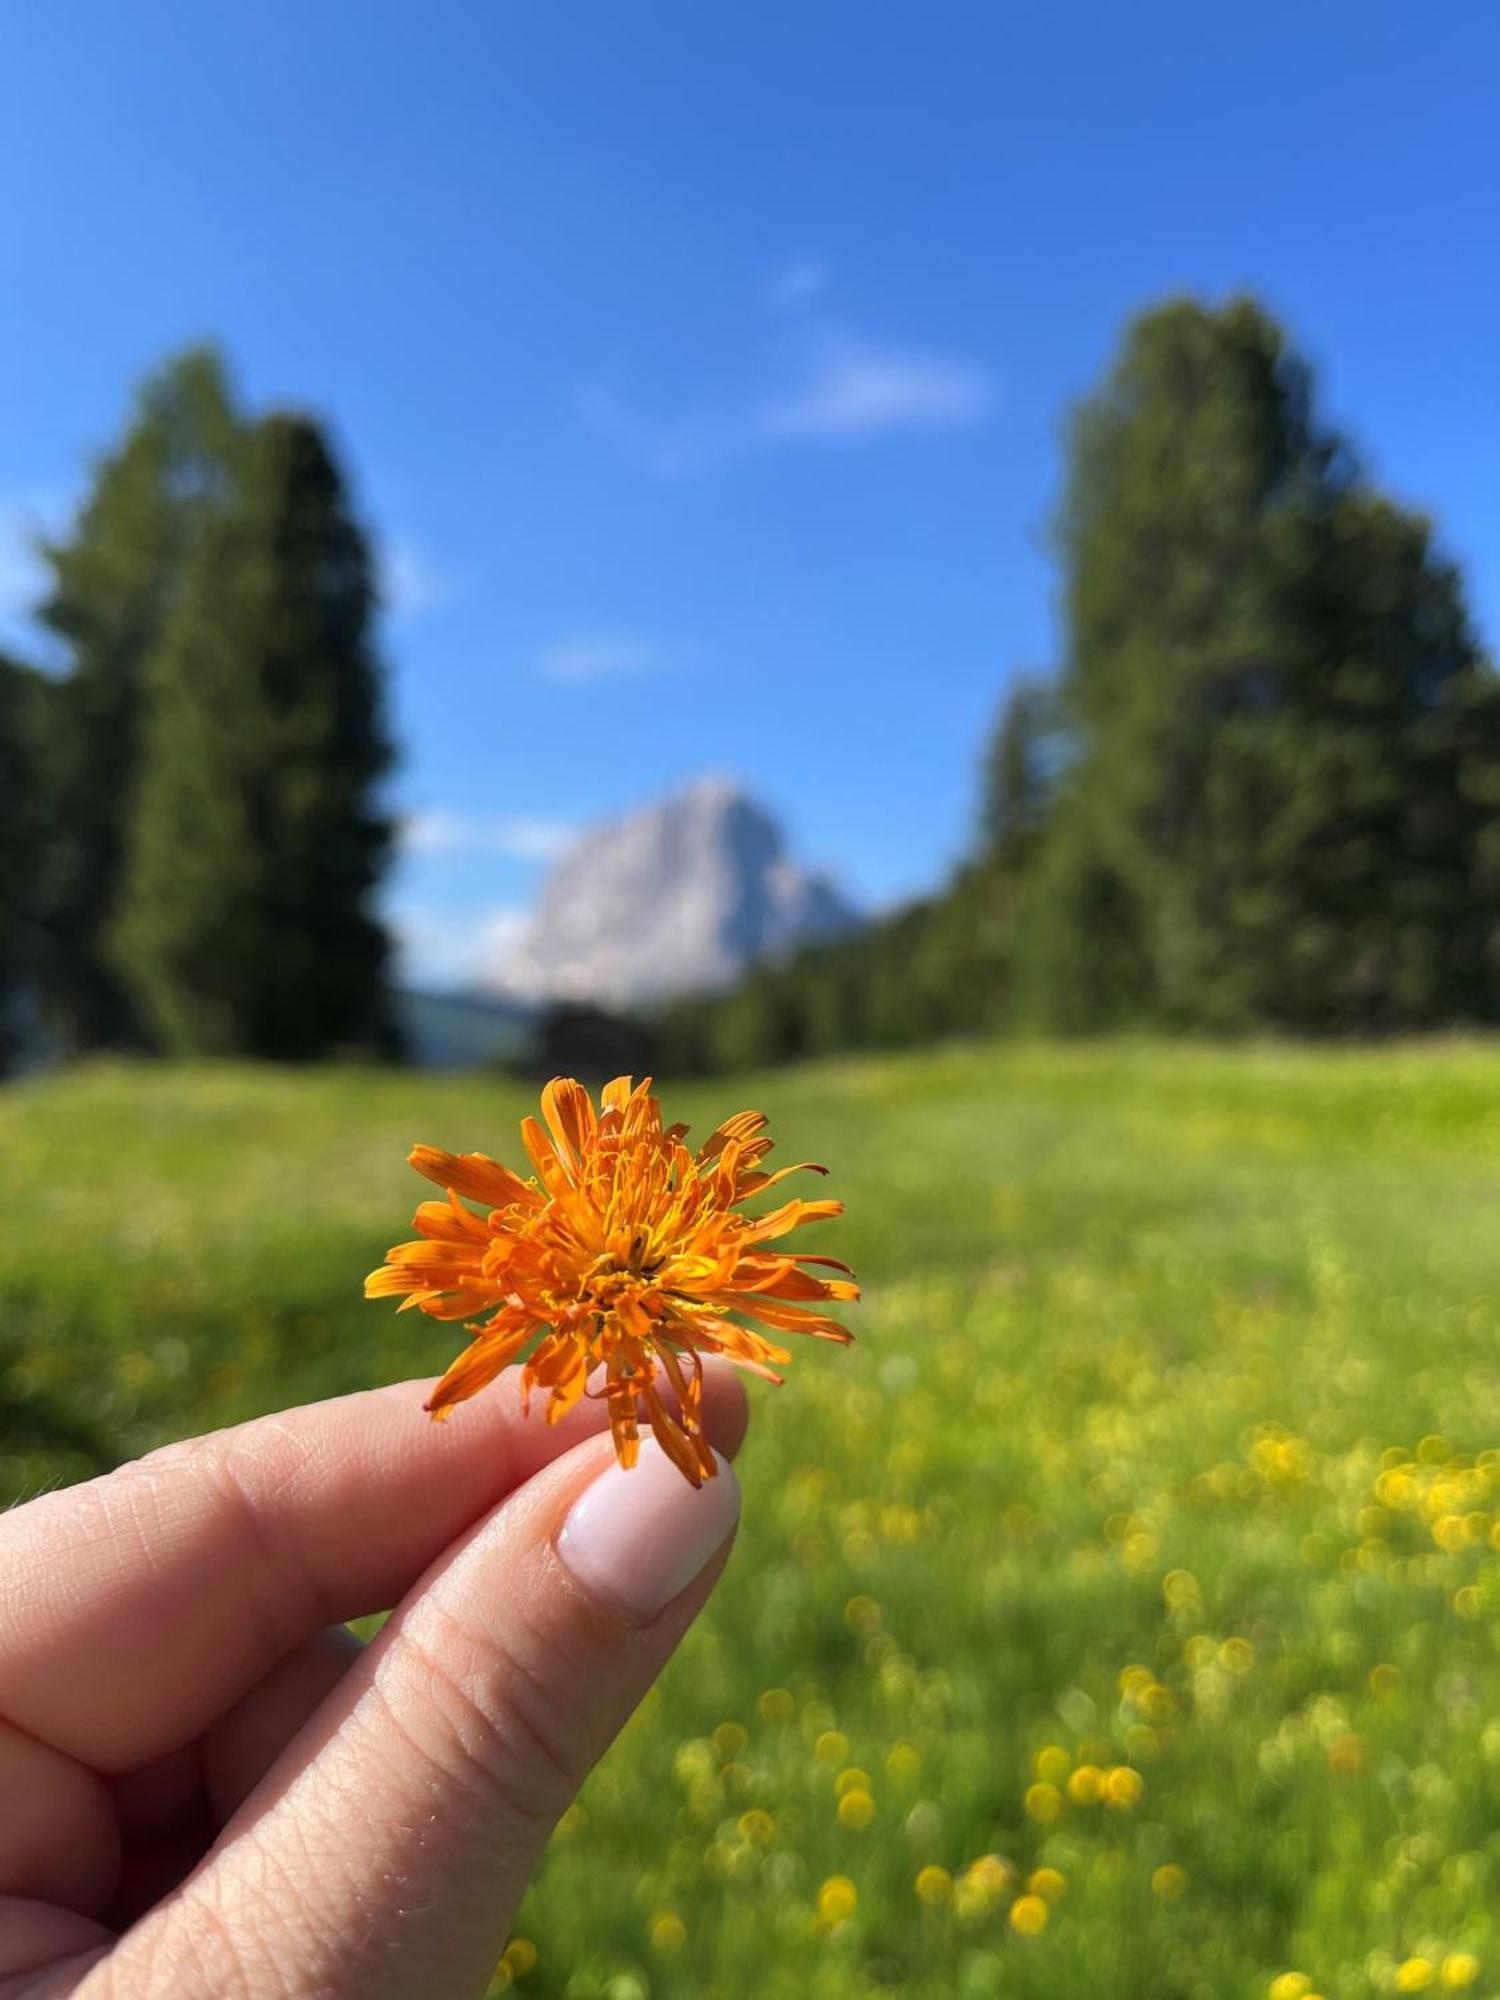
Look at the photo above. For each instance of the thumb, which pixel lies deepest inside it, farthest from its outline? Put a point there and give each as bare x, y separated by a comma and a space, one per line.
387, 1851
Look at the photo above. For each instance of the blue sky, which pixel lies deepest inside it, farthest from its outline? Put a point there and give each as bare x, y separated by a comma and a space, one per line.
702, 368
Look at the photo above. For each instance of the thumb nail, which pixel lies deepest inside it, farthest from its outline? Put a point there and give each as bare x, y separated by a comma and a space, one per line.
635, 1540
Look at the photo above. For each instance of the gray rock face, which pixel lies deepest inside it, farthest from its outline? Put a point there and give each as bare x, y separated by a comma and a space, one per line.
679, 898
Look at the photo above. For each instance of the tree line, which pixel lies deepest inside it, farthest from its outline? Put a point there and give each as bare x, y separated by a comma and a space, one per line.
1260, 791
190, 823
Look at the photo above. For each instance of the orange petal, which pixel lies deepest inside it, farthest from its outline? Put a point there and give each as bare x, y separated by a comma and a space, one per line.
786, 1319
390, 1281
743, 1125
556, 1177
450, 1222
791, 1215
569, 1112
616, 1093
569, 1388
622, 1422
473, 1174
757, 1183
480, 1362
693, 1457
430, 1255
454, 1305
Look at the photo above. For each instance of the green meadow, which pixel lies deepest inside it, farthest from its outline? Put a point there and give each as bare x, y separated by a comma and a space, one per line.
1117, 1617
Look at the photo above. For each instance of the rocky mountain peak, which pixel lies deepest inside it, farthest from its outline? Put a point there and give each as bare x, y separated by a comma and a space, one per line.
680, 897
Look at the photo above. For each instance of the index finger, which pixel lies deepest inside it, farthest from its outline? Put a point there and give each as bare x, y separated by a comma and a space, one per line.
135, 1609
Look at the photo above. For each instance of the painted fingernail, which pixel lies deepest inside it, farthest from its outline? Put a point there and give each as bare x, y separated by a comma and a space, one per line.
636, 1539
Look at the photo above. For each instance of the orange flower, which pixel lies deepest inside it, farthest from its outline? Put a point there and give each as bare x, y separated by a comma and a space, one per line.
623, 1250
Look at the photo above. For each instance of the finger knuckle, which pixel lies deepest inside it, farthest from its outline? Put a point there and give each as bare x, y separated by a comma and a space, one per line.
510, 1736
189, 1952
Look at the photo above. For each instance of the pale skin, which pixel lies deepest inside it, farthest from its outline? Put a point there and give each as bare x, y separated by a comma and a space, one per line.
209, 1788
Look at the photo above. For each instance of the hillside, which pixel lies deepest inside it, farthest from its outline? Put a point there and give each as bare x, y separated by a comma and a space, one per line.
1167, 1449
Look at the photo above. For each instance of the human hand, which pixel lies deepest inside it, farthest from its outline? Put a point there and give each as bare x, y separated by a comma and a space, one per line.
208, 1787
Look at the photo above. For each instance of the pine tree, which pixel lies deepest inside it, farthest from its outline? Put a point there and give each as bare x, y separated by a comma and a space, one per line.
1273, 694
244, 921
1022, 764
115, 580
1375, 913
24, 818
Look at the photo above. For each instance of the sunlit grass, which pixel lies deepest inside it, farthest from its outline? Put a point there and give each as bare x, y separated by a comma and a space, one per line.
1118, 1617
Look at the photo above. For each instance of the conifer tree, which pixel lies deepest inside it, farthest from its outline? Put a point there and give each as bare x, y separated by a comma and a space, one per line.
23, 821
114, 582
1021, 769
256, 840
1274, 696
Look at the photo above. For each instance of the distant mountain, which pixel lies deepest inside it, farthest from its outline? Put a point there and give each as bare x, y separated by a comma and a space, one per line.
679, 898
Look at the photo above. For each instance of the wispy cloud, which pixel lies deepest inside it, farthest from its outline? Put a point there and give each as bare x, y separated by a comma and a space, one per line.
854, 391
445, 950
797, 281
411, 582
598, 656
676, 450
838, 386
520, 838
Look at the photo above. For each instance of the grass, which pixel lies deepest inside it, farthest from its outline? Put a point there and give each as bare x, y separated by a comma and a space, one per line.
1120, 1615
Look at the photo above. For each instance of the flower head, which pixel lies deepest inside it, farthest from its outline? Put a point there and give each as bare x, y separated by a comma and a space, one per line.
622, 1251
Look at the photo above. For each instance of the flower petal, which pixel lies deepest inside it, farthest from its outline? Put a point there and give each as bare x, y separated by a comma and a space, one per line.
480, 1362
473, 1174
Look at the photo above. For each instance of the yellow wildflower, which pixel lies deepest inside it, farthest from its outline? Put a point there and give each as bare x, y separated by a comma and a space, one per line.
1052, 1764
1123, 1787
1085, 1785
668, 1933
837, 1899
1415, 1975
1043, 1802
1028, 1916
934, 1886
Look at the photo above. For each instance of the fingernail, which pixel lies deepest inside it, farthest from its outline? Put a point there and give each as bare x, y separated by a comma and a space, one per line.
636, 1539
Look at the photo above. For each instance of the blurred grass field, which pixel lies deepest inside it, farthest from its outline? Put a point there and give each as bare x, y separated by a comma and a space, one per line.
1118, 1616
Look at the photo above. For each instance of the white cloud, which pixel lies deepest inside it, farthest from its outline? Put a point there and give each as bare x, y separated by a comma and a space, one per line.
666, 450
854, 391
411, 583
521, 838
443, 950
798, 280
841, 387
597, 657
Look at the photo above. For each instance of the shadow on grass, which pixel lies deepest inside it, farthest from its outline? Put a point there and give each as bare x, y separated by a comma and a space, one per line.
38, 1423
